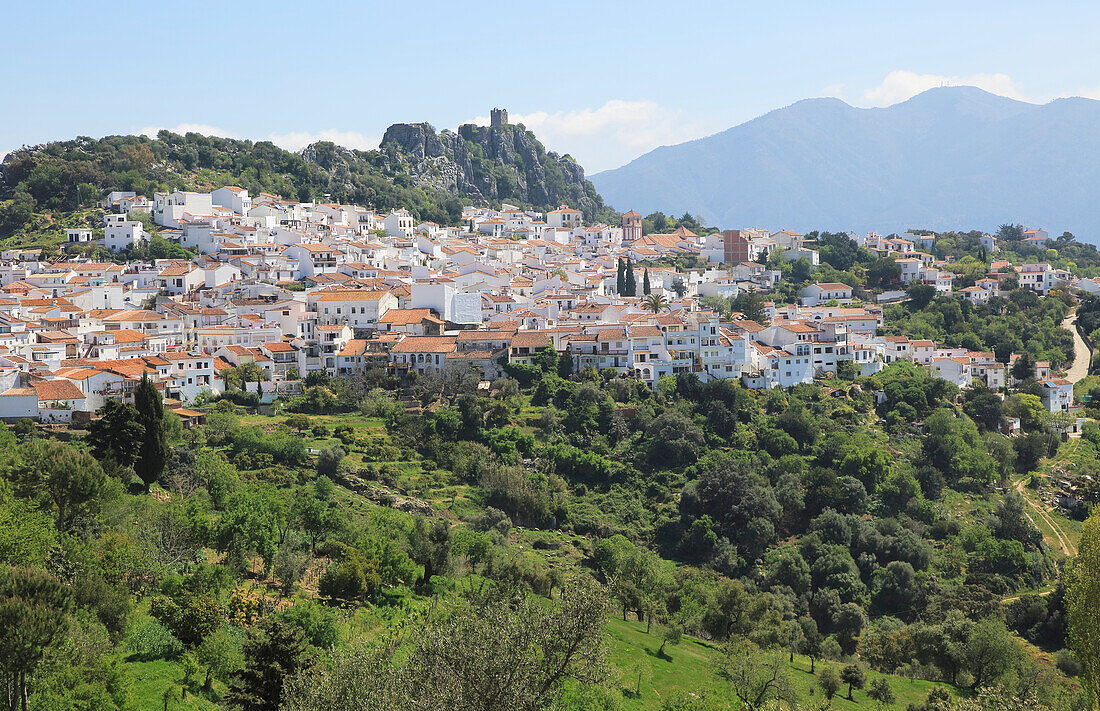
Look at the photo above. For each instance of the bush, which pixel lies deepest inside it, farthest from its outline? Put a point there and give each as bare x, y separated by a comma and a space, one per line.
493, 519
1067, 662
355, 578
152, 640
320, 623
345, 433
328, 461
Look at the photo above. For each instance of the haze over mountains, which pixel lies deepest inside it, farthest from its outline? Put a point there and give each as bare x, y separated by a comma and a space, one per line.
949, 158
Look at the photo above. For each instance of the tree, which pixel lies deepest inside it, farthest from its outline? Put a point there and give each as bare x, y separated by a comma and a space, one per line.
154, 447
848, 621
289, 565
755, 676
852, 675
1023, 368
829, 681
670, 635
884, 272
989, 652
882, 692
811, 639
630, 285
493, 650
679, 287
921, 294
355, 578
656, 302
328, 460
751, 305
430, 546
220, 654
71, 480
898, 588
645, 283
117, 434
314, 517
953, 446
983, 406
298, 422
620, 278
34, 606
274, 652
1083, 605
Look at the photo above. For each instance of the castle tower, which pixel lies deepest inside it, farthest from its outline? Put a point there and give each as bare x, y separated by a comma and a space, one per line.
498, 117
632, 226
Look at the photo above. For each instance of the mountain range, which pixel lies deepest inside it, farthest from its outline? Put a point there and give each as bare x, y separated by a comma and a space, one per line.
948, 158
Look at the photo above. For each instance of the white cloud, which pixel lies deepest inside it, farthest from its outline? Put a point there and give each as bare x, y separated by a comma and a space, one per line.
297, 140
901, 85
612, 134
836, 90
204, 129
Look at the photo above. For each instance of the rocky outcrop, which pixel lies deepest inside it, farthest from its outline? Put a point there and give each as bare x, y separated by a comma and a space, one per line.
488, 165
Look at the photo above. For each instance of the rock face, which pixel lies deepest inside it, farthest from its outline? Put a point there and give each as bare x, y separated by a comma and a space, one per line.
488, 164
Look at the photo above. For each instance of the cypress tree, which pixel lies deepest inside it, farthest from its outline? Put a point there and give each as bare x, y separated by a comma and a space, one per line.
630, 284
645, 283
154, 448
620, 278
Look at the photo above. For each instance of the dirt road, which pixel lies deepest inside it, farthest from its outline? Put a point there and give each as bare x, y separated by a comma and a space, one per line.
1080, 367
1040, 509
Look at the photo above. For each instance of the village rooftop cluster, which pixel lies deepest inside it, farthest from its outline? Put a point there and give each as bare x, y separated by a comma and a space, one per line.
298, 287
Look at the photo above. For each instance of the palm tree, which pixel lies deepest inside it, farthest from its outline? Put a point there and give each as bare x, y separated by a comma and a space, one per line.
656, 302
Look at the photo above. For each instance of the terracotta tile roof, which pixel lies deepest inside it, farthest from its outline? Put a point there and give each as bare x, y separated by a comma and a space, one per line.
50, 390
404, 317
426, 344
354, 347
352, 295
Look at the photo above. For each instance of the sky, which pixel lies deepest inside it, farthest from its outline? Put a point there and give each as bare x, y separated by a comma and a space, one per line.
602, 81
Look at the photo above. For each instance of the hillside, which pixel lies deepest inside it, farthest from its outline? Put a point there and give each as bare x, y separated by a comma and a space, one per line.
949, 158
490, 164
431, 175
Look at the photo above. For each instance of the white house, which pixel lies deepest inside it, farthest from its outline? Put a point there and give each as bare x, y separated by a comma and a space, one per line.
1057, 394
232, 197
121, 236
564, 217
815, 294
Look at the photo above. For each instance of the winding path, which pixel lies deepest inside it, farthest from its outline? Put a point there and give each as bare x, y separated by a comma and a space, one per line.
1080, 367
1063, 540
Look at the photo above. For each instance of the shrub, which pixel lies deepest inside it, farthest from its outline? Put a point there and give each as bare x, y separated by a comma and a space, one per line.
320, 623
1067, 662
152, 640
345, 434
355, 578
328, 461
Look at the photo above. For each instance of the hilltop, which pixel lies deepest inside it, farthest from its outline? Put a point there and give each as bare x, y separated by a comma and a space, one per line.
431, 175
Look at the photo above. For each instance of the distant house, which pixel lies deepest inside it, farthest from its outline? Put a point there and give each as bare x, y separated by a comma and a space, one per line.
1057, 394
816, 294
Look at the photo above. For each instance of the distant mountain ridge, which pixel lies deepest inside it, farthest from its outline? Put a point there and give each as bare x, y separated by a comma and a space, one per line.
948, 158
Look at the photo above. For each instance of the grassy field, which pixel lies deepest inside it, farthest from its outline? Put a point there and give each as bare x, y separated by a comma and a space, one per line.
688, 669
152, 678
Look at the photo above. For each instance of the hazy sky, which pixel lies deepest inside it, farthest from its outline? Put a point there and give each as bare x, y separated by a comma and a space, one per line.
604, 81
